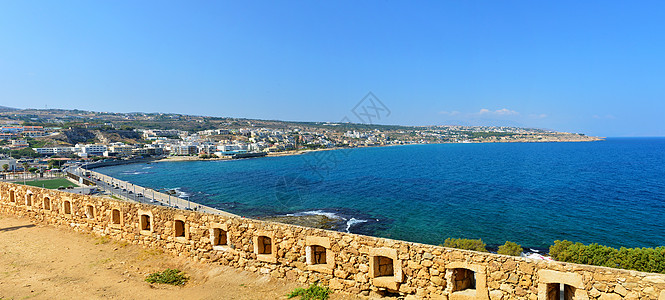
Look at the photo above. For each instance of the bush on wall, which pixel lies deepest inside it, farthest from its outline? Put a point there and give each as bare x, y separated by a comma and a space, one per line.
640, 259
510, 248
467, 244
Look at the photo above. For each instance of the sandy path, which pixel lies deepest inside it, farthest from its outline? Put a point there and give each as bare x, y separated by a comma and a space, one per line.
39, 262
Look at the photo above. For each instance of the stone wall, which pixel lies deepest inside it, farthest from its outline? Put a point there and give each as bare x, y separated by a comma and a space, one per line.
349, 263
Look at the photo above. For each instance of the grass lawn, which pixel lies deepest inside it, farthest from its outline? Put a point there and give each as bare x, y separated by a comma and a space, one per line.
51, 183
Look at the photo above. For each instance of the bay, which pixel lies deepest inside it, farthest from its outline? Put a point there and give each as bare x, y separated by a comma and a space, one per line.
610, 192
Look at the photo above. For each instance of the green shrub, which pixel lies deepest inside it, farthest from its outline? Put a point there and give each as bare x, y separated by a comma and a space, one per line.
467, 244
313, 292
640, 259
169, 276
510, 248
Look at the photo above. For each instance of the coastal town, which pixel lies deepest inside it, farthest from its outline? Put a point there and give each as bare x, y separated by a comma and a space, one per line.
332, 150
38, 140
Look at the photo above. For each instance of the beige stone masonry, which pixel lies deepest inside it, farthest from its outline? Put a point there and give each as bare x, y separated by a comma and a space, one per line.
361, 265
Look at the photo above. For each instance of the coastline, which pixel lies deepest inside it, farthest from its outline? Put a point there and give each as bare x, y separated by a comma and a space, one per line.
317, 221
288, 193
300, 152
285, 207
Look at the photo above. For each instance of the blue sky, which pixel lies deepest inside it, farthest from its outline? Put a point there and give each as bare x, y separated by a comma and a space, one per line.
595, 67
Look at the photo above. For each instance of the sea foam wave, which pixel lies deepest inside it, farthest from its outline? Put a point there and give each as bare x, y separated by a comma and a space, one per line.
354, 221
345, 223
134, 173
179, 193
316, 212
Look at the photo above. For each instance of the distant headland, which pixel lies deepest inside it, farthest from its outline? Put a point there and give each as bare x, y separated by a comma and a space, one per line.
34, 133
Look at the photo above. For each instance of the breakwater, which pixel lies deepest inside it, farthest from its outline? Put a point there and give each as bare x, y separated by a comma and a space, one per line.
101, 164
350, 263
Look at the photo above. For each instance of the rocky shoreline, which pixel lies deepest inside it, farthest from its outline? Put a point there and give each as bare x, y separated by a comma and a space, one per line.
313, 221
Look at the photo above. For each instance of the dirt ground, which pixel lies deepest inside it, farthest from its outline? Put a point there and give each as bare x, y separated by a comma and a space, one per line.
38, 262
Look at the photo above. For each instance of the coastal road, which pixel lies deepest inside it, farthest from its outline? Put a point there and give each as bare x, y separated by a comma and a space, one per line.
129, 191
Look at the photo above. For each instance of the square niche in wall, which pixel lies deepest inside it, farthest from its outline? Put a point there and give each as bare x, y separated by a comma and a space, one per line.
466, 281
67, 207
89, 211
146, 222
560, 285
116, 218
46, 203
319, 256
385, 268
265, 247
180, 229
219, 237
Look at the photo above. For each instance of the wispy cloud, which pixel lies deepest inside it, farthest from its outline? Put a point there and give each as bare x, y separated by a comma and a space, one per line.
492, 117
498, 112
449, 113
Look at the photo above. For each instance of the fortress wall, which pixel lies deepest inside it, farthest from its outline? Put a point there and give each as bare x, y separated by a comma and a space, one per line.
351, 263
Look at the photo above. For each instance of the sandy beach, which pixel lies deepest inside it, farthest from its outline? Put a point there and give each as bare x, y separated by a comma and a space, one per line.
271, 154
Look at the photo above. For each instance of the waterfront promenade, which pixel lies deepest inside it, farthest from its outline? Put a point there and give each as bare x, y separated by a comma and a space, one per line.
131, 192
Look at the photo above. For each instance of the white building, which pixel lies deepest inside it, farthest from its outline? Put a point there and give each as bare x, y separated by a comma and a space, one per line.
11, 163
122, 150
94, 149
183, 149
233, 147
152, 134
19, 144
55, 150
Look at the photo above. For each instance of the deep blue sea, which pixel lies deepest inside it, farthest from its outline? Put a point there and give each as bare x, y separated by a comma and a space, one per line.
610, 192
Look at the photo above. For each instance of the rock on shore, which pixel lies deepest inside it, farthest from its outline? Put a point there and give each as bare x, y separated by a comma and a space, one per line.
314, 221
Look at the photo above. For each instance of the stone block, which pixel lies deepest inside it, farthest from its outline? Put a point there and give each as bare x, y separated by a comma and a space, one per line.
609, 296
496, 295
650, 291
619, 289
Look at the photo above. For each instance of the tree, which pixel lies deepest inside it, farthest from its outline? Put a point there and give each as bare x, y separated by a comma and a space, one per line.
510, 248
650, 260
468, 244
25, 152
5, 167
52, 163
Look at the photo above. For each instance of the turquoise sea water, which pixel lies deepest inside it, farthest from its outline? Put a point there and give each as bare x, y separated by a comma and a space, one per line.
610, 192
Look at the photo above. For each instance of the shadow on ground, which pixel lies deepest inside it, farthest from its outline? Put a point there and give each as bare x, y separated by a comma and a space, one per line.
16, 228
